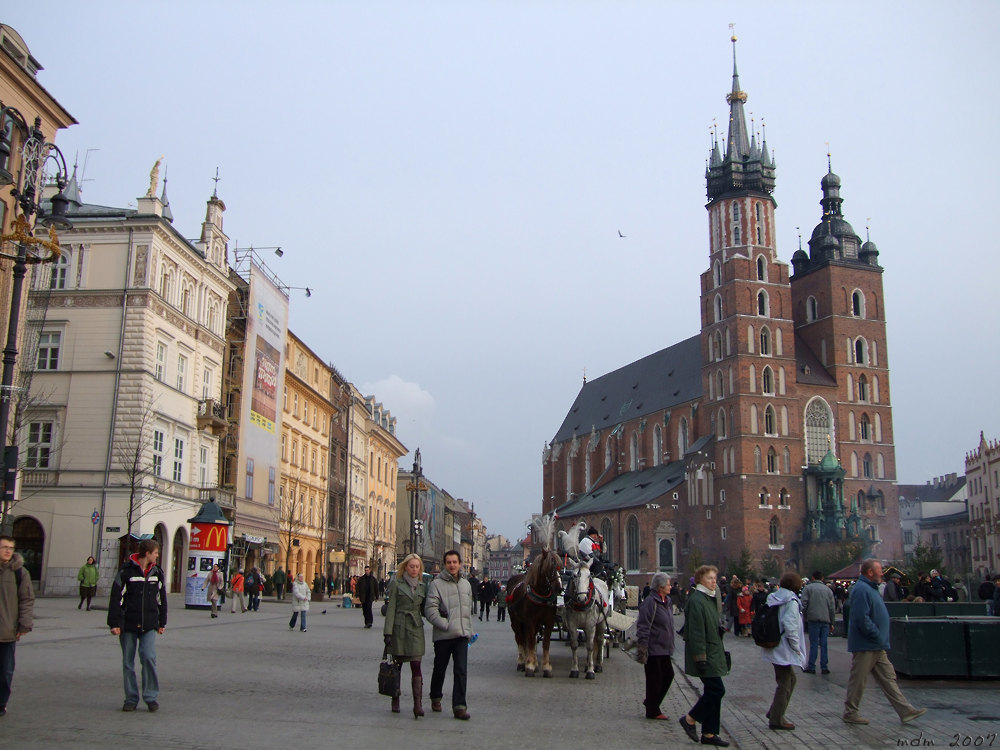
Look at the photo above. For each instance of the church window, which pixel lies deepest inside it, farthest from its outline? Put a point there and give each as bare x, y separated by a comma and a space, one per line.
753, 418
787, 460
725, 462
759, 235
666, 554
854, 464
868, 466
717, 274
722, 423
772, 461
784, 499
784, 420
718, 345
607, 453
858, 304
736, 212
682, 436
732, 420
718, 307
775, 531
765, 342
718, 379
878, 428
860, 350
728, 348
731, 384
632, 544
657, 445
634, 453
777, 341
750, 339
850, 387
763, 496
770, 426
711, 388
756, 464
866, 428
850, 351
851, 426
880, 466
863, 389
736, 235
586, 475
762, 304
767, 381
812, 310
781, 381
818, 432
712, 426
874, 354
761, 264
753, 379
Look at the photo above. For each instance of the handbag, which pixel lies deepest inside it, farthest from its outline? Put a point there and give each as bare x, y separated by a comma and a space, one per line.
729, 661
388, 675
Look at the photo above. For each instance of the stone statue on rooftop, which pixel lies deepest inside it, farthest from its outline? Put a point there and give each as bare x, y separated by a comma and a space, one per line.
154, 178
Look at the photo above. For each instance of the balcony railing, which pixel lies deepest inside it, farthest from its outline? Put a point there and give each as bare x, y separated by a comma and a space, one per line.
224, 497
212, 416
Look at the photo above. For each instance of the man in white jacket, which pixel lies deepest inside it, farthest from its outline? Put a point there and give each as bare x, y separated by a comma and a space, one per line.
789, 653
448, 607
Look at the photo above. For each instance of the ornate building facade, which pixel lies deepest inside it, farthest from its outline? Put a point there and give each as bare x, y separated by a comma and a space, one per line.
771, 430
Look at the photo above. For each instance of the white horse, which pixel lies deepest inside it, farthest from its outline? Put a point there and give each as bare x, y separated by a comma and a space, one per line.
585, 601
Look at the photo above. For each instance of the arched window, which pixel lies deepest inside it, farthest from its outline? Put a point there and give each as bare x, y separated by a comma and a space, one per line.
812, 310
732, 384
756, 459
854, 464
717, 274
750, 339
765, 341
866, 428
634, 452
759, 219
862, 501
753, 379
186, 300
736, 223
718, 345
59, 271
784, 498
862, 389
762, 304
818, 432
878, 428
718, 307
860, 351
712, 426
632, 544
784, 420
763, 496
851, 431
728, 347
874, 353
880, 466
777, 342
767, 381
760, 241
761, 266
868, 466
775, 531
586, 475
850, 387
666, 550
772, 461
722, 423
607, 546
682, 436
607, 453
167, 287
711, 386
770, 423
753, 418
781, 381
719, 382
787, 462
858, 304
875, 393
736, 211
657, 445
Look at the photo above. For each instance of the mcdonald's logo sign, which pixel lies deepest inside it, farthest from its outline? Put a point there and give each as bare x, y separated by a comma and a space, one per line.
210, 537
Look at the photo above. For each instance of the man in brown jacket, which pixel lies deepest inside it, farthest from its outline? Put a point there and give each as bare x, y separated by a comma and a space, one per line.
17, 610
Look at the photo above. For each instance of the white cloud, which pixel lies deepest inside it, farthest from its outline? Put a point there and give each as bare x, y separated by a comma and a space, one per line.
406, 401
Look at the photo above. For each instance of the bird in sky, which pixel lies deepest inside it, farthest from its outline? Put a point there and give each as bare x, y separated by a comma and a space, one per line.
621, 235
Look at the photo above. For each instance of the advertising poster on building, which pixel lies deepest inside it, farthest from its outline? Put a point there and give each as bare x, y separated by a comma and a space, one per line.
267, 324
430, 510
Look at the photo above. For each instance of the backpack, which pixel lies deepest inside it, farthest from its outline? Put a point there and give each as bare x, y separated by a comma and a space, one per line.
985, 591
249, 580
766, 626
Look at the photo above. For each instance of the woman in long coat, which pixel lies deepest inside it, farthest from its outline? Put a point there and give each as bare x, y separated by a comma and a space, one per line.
87, 576
300, 601
704, 657
404, 625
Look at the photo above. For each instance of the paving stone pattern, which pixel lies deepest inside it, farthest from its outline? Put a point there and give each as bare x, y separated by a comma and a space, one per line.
246, 681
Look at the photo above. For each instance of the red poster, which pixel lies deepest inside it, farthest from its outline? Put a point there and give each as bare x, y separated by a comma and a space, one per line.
209, 537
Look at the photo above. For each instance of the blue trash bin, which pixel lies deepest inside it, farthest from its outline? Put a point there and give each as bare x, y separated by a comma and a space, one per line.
347, 601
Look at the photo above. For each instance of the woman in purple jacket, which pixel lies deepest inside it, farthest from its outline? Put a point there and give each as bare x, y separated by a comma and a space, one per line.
655, 636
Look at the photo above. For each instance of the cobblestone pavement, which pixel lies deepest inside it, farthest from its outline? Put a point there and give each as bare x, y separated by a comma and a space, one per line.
246, 681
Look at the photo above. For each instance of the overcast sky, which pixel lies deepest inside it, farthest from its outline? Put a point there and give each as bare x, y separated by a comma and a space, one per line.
451, 177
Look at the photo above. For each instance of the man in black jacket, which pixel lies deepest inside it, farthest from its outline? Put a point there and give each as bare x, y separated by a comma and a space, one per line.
367, 590
136, 613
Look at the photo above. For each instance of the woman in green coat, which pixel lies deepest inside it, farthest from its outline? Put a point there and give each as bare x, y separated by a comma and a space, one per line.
404, 625
704, 656
88, 582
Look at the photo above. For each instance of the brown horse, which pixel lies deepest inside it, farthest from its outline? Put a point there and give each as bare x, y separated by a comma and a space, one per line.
531, 604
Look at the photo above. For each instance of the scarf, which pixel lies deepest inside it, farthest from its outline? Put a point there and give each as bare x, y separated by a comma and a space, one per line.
706, 591
413, 582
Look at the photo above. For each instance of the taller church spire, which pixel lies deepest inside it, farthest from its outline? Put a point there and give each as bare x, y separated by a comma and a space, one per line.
738, 146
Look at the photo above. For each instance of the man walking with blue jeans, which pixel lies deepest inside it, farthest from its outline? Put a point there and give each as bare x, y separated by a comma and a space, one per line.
818, 609
137, 612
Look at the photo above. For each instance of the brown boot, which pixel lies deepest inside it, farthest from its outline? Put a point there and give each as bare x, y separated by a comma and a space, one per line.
418, 689
461, 713
395, 703
436, 705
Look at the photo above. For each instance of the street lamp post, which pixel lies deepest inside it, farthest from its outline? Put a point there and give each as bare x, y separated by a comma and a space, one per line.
35, 153
415, 487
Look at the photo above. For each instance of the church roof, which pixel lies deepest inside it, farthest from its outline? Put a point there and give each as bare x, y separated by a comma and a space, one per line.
628, 490
658, 381
808, 369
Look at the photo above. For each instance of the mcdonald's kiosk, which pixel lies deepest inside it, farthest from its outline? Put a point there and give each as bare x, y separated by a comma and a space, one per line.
209, 541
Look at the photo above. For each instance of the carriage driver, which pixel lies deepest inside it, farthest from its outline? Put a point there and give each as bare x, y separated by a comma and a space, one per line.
590, 547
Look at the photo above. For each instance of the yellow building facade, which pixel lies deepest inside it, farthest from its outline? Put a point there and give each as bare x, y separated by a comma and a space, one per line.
384, 452
309, 412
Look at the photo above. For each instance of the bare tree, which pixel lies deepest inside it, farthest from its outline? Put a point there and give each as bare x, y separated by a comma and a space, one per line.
290, 523
139, 456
